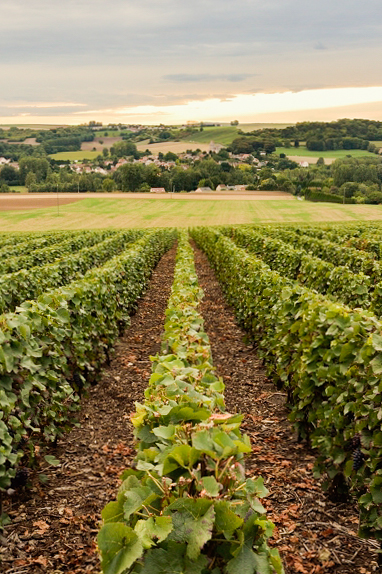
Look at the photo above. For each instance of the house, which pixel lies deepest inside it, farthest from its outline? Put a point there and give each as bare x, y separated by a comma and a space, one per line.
215, 147
157, 190
304, 164
4, 161
221, 187
203, 190
100, 170
122, 161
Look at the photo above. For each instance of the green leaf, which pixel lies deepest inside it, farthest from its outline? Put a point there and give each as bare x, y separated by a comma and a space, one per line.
120, 547
376, 493
195, 531
257, 487
161, 561
135, 498
63, 315
52, 460
158, 527
377, 342
245, 562
377, 439
113, 512
166, 432
376, 365
211, 485
226, 520
185, 455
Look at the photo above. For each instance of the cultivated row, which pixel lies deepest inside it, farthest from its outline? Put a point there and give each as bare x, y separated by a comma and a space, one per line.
53, 347
187, 507
328, 357
25, 284
53, 252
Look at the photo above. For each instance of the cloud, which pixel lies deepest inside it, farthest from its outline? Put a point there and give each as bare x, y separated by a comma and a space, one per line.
45, 105
109, 55
185, 78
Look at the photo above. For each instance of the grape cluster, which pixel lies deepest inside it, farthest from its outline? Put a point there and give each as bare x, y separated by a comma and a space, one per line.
357, 459
20, 479
356, 441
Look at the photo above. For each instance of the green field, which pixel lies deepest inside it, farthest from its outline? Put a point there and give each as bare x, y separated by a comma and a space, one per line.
223, 135
110, 133
304, 152
75, 155
152, 212
226, 134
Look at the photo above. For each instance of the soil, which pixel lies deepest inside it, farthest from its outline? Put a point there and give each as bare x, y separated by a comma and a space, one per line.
313, 535
55, 525
15, 202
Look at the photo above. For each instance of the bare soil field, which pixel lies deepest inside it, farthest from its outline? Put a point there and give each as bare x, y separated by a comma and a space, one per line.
107, 142
9, 202
23, 201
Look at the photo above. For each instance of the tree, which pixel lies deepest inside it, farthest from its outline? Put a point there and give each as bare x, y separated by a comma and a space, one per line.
9, 175
170, 156
108, 184
30, 179
268, 184
105, 152
39, 166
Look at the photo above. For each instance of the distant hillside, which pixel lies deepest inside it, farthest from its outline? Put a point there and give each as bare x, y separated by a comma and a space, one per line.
226, 134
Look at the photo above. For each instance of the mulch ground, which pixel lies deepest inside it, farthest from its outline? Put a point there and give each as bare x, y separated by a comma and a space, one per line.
55, 525
314, 535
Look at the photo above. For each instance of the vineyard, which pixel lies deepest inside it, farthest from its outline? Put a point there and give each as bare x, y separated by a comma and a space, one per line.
122, 447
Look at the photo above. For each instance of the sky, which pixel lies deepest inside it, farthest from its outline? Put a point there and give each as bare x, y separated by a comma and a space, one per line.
172, 61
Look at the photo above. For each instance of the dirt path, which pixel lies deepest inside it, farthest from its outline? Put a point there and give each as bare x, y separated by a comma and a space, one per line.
314, 536
55, 526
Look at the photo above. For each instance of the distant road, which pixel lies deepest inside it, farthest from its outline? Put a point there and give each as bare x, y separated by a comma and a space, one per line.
23, 201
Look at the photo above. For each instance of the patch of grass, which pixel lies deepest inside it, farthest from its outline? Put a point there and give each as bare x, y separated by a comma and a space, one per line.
110, 133
95, 213
19, 188
75, 155
302, 151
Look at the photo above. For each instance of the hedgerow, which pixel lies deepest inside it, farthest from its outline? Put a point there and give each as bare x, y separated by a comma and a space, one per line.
17, 287
53, 252
53, 347
186, 507
326, 355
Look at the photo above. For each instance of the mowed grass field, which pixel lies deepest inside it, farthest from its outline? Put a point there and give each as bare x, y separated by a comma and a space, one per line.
302, 151
152, 212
